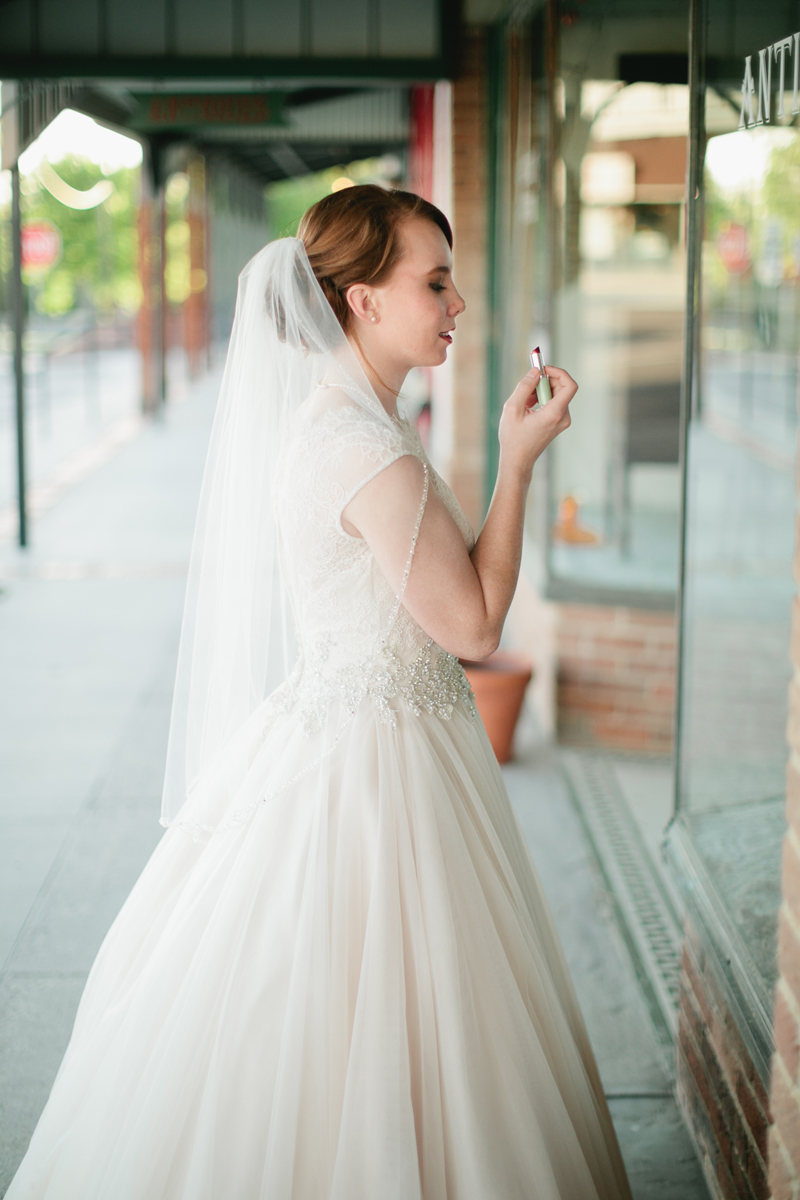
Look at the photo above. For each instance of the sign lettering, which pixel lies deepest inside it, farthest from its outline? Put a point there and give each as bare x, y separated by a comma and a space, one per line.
184, 110
761, 113
781, 49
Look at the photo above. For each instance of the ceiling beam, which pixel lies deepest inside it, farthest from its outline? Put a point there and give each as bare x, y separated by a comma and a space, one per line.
305, 71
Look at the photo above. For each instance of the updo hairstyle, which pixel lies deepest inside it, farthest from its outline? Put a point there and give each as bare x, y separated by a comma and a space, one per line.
352, 236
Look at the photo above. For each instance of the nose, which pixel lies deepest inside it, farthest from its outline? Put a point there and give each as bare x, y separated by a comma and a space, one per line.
458, 305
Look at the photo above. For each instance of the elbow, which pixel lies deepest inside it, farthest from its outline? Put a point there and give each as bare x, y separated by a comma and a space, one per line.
489, 644
480, 645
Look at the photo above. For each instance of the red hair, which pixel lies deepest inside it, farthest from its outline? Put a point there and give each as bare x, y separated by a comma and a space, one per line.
352, 237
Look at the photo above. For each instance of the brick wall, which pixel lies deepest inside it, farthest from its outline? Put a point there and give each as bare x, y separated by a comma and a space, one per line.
615, 683
720, 1092
784, 1136
467, 466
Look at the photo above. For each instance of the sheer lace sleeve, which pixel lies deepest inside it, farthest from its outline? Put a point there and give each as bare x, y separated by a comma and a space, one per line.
360, 450
336, 451
353, 449
403, 582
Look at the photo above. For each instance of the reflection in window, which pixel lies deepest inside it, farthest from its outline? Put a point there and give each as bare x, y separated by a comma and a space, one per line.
619, 330
741, 524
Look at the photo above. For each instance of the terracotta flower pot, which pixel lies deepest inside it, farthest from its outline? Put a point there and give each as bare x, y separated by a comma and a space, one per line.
499, 683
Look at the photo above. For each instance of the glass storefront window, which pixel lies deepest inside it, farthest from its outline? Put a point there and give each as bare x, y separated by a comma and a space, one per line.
618, 327
741, 511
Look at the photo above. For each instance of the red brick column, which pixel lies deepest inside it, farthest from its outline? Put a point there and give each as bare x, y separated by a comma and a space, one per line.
719, 1089
150, 307
784, 1135
469, 227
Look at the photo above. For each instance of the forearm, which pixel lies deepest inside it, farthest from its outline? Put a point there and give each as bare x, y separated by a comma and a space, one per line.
498, 551
526, 430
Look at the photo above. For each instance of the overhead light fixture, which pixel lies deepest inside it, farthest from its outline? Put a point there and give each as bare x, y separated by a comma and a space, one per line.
68, 195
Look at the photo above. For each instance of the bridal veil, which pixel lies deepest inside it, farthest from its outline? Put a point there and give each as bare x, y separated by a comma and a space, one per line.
236, 640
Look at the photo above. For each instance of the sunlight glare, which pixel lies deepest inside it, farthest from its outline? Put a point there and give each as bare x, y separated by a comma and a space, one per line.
73, 133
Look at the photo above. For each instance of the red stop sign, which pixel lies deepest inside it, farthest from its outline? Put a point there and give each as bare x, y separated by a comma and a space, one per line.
41, 245
734, 248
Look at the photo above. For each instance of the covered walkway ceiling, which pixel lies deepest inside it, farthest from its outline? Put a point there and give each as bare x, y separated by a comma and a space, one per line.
283, 87
270, 134
320, 128
293, 40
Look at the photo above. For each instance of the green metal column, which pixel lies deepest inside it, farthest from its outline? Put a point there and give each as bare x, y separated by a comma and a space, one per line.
495, 259
695, 156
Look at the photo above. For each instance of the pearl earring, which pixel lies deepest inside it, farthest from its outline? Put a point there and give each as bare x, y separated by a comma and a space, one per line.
374, 319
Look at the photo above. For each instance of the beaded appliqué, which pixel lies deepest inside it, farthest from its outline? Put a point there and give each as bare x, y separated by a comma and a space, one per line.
433, 682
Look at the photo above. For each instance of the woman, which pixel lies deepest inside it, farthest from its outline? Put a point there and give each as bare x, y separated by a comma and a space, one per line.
337, 977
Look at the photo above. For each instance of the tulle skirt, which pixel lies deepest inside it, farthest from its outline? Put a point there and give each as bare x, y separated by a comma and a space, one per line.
353, 991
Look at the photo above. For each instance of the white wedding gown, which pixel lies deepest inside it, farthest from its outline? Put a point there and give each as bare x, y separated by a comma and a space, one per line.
352, 989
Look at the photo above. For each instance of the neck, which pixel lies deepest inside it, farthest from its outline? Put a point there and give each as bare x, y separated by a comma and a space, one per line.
386, 379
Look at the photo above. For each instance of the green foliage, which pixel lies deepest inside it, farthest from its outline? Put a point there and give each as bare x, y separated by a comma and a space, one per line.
782, 185
765, 206
289, 199
99, 265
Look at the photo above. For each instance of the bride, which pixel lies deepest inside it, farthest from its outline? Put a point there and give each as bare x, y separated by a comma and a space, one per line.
337, 977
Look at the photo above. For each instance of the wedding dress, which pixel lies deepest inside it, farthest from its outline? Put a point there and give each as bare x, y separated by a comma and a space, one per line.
337, 977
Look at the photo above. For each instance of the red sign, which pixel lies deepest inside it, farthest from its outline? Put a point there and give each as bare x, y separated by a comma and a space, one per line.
734, 248
185, 110
41, 245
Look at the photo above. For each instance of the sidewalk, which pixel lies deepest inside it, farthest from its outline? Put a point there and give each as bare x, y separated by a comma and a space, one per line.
69, 400
89, 625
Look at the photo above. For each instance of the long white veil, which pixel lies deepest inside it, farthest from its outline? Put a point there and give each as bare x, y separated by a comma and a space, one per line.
285, 339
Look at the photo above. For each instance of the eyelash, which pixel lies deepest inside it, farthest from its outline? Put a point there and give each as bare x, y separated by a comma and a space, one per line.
438, 287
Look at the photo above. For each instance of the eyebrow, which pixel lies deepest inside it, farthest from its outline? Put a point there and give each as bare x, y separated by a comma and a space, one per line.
438, 270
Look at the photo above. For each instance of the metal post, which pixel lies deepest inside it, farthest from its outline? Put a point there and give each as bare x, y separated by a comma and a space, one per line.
695, 157
18, 312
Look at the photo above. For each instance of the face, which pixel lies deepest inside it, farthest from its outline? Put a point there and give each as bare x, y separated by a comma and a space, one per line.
415, 310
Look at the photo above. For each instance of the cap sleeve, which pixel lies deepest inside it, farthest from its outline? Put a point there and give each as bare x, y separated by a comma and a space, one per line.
356, 447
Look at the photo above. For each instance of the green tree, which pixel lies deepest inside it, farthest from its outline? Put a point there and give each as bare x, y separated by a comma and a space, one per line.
288, 199
98, 267
782, 185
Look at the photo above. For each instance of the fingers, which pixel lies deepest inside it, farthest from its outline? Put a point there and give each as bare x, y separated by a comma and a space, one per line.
523, 398
562, 380
556, 375
524, 390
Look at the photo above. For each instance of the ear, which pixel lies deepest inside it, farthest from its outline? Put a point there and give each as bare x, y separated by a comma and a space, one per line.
361, 302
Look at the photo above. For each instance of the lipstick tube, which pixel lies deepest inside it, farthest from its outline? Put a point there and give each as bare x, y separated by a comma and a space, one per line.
543, 393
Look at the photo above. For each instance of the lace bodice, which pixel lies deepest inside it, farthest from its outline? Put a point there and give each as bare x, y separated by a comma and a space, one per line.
355, 638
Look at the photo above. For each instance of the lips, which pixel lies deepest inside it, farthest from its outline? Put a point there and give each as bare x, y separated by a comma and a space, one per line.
446, 337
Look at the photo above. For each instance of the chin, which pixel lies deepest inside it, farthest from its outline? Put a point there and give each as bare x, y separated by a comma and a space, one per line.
434, 357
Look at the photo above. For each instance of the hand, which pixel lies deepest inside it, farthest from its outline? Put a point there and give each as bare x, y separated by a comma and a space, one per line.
526, 427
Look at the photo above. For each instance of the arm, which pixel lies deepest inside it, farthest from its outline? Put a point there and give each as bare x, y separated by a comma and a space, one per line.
461, 600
